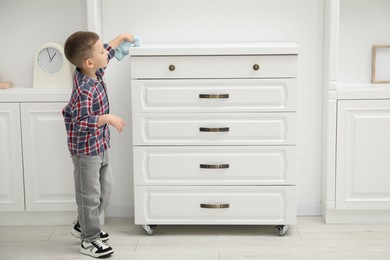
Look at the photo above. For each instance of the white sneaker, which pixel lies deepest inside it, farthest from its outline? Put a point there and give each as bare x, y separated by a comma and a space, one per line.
96, 249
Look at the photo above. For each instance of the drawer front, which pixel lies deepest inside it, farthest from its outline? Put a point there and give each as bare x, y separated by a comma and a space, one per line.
215, 205
214, 129
214, 95
230, 165
269, 66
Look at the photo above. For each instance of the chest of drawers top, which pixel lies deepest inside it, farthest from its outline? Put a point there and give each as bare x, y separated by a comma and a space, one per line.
196, 49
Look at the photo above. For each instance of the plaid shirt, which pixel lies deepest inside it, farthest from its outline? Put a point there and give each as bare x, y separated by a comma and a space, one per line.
88, 101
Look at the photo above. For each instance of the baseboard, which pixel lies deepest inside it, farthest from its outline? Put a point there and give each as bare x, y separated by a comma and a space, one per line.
120, 211
332, 216
40, 218
309, 209
37, 218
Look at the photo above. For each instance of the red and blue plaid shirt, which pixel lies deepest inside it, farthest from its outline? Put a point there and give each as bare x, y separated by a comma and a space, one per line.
88, 101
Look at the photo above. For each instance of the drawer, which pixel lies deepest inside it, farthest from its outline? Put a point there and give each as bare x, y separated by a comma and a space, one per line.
214, 95
214, 129
208, 165
215, 205
269, 66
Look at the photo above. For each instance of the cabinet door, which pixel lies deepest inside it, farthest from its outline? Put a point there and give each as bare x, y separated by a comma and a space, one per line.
363, 154
48, 168
11, 170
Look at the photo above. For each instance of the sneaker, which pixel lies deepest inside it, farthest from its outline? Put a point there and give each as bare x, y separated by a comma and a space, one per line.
76, 232
96, 249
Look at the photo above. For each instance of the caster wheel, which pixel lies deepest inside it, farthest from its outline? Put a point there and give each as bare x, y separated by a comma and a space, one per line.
149, 229
282, 229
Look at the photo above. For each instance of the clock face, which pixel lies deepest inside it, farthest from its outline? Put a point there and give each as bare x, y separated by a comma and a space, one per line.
50, 60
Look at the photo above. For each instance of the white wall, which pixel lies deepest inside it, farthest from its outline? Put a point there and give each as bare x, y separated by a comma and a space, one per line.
357, 36
26, 24
156, 21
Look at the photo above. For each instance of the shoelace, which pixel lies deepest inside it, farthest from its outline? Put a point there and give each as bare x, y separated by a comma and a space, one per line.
99, 243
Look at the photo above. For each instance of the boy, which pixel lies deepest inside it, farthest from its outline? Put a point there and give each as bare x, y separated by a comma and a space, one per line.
87, 121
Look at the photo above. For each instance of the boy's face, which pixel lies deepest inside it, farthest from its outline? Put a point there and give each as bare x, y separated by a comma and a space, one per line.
99, 55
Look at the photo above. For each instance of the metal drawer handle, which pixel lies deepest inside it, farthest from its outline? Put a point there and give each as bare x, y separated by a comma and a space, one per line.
172, 67
213, 95
214, 206
256, 67
214, 166
215, 129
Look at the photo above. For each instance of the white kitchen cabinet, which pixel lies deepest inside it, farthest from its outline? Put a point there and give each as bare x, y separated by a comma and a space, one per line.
363, 155
35, 165
356, 116
214, 134
48, 169
11, 168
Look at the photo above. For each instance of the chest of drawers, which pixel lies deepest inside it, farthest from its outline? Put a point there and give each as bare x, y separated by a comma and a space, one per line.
214, 134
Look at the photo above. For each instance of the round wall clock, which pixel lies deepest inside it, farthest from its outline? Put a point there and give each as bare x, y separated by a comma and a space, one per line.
51, 68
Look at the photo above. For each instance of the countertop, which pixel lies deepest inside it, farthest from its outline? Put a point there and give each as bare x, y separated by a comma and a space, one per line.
363, 91
20, 94
263, 48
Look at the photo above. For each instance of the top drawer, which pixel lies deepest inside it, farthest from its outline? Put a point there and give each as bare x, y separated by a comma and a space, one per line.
260, 66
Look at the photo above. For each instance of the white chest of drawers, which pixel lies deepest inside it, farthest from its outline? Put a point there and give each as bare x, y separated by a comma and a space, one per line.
214, 134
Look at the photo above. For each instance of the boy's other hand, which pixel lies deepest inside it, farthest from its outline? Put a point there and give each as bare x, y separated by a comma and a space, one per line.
113, 120
117, 122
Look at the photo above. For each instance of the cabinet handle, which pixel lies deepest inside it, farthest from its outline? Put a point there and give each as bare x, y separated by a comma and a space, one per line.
256, 67
172, 67
213, 95
214, 206
214, 166
215, 129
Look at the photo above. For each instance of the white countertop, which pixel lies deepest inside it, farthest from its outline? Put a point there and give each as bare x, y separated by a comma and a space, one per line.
263, 48
363, 91
19, 94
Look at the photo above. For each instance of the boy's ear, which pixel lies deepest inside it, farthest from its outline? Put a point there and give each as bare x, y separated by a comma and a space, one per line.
88, 63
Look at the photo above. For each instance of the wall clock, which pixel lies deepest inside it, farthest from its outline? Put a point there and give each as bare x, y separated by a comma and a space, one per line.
51, 68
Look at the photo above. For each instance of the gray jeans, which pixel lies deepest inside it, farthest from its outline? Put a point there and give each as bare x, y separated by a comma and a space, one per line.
93, 185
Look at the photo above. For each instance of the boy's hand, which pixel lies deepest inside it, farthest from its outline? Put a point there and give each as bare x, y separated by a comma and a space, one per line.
113, 120
120, 38
128, 37
117, 122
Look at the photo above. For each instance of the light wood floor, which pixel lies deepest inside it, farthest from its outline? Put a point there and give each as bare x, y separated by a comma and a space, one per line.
309, 239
